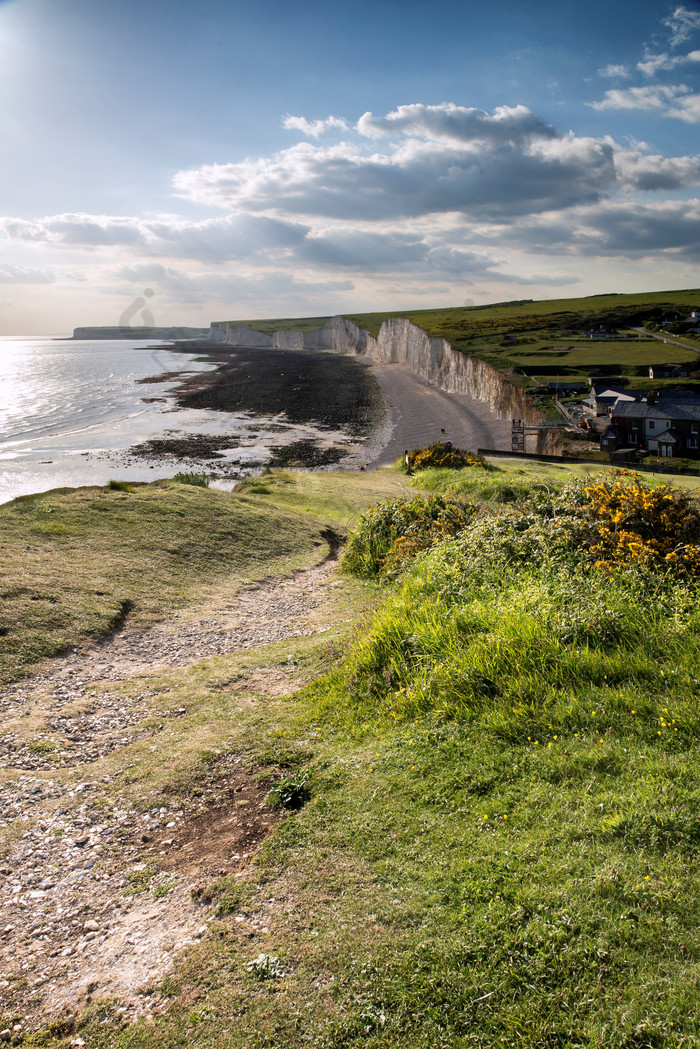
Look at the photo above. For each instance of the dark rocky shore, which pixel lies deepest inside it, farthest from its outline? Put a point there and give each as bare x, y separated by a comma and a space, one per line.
325, 391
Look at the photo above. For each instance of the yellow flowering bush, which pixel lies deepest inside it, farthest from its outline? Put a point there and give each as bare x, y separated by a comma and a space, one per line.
630, 522
442, 454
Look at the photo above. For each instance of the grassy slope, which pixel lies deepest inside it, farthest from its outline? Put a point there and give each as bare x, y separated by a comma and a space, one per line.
453, 882
76, 561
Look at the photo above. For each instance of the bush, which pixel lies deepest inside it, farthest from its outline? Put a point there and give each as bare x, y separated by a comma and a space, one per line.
579, 599
444, 455
627, 522
389, 535
119, 486
198, 480
292, 791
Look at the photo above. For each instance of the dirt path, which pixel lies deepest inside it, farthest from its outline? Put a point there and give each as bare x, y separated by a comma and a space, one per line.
97, 899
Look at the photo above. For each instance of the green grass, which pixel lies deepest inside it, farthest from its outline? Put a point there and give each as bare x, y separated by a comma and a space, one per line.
77, 562
501, 841
541, 330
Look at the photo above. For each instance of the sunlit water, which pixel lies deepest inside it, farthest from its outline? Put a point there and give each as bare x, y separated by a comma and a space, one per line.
69, 409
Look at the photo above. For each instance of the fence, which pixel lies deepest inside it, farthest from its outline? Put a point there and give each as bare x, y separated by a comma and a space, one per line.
567, 460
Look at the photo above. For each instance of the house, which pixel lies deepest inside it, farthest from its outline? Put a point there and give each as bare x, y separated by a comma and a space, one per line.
603, 331
657, 425
669, 371
603, 398
567, 388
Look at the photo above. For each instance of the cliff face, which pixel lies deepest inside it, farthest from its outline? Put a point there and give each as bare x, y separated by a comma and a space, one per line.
404, 343
238, 336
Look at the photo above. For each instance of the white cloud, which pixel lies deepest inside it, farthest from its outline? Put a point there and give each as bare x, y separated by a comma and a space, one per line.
450, 123
653, 64
446, 159
647, 172
24, 275
423, 198
683, 23
657, 98
613, 70
87, 230
677, 101
314, 128
669, 230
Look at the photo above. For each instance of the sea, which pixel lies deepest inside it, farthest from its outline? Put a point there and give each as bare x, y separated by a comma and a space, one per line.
70, 410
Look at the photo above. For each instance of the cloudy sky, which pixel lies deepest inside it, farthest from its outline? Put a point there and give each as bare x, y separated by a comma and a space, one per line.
244, 159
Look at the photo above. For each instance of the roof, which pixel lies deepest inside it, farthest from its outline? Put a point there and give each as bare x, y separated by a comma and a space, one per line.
668, 437
688, 412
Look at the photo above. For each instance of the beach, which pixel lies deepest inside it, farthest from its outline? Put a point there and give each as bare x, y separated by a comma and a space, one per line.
77, 413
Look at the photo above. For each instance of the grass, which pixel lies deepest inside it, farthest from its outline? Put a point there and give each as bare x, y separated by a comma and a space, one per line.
77, 563
500, 842
527, 339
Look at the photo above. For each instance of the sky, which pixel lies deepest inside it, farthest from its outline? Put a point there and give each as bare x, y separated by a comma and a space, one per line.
240, 160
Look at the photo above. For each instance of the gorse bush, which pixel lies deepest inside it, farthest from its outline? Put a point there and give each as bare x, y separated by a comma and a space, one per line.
389, 535
517, 624
631, 523
444, 455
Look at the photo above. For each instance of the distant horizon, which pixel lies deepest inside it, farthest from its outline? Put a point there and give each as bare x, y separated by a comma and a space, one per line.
354, 312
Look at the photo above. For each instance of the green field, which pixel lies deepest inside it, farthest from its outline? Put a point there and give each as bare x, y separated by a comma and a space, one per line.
526, 339
500, 841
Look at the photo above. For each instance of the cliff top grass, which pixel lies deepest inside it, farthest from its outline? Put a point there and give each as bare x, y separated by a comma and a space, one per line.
538, 341
501, 838
77, 562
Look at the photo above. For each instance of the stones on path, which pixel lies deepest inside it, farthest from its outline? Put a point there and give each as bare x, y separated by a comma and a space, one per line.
95, 896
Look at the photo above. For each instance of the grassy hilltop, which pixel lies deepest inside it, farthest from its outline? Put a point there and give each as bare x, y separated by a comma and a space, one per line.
539, 342
494, 744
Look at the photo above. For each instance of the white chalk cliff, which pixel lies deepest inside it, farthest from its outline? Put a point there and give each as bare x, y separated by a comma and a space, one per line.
404, 343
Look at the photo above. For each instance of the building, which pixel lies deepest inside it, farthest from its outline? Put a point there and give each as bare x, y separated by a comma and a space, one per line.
658, 425
669, 371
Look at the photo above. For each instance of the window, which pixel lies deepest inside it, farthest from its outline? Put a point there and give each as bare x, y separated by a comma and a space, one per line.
652, 424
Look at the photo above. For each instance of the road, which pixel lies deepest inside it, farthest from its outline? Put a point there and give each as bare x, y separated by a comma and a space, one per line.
667, 338
419, 414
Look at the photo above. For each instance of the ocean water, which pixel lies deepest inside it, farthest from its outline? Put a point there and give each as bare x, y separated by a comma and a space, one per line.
69, 411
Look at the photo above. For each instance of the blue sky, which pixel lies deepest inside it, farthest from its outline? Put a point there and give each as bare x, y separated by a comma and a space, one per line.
262, 160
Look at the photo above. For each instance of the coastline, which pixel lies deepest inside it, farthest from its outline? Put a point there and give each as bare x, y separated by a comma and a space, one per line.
285, 408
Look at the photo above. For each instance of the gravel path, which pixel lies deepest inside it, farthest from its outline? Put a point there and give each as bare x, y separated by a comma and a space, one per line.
420, 413
96, 898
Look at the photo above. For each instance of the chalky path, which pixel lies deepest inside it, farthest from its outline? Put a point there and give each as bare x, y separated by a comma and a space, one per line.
96, 898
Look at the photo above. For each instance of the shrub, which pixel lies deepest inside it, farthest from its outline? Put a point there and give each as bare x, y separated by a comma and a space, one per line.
389, 535
630, 523
198, 480
266, 967
119, 486
444, 455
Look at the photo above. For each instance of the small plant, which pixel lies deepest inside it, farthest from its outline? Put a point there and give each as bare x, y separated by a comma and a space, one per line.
292, 791
198, 480
162, 889
43, 746
266, 967
119, 486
